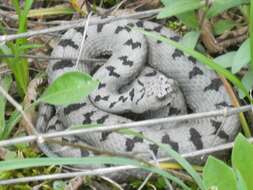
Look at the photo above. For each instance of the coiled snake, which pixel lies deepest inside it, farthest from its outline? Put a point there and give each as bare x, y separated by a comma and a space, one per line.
142, 78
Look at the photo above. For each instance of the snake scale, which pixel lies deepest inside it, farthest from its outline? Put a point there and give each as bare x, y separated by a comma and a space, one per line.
142, 79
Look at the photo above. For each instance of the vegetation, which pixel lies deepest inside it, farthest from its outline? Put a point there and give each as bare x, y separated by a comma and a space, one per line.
231, 17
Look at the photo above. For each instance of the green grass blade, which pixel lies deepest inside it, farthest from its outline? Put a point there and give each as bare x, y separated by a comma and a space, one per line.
202, 59
96, 160
251, 34
5, 82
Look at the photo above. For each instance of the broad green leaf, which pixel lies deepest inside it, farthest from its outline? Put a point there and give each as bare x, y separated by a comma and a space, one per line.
30, 46
241, 184
217, 174
5, 82
222, 26
189, 19
218, 6
251, 34
95, 160
247, 80
242, 56
69, 88
167, 2
190, 39
225, 60
178, 7
201, 58
242, 155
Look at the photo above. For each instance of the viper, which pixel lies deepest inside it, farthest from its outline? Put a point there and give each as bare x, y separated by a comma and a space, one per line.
142, 79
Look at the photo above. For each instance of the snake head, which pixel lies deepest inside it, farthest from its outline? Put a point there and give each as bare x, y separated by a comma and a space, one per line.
156, 90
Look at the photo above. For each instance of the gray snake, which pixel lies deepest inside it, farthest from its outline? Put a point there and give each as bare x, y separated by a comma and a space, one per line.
142, 78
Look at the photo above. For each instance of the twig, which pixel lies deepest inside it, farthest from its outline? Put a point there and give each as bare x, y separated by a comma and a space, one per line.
146, 123
103, 171
54, 58
19, 108
94, 21
86, 25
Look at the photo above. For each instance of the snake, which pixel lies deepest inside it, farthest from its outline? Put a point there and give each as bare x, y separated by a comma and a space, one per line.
142, 78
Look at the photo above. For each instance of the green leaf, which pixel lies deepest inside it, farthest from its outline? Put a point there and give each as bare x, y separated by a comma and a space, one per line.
217, 174
242, 56
251, 34
5, 82
189, 19
178, 7
218, 6
247, 81
242, 155
225, 60
95, 160
241, 184
69, 88
190, 39
222, 26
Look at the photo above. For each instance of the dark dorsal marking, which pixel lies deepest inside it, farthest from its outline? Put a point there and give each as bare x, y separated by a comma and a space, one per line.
112, 104
154, 148
166, 140
129, 144
214, 85
133, 44
87, 117
100, 27
192, 59
101, 85
79, 29
73, 107
222, 105
111, 71
140, 83
174, 111
138, 139
221, 133
158, 28
122, 98
62, 64
122, 28
131, 94
215, 124
151, 74
104, 135
194, 72
125, 61
177, 53
139, 23
68, 42
98, 98
175, 38
84, 153
196, 138
130, 24
102, 119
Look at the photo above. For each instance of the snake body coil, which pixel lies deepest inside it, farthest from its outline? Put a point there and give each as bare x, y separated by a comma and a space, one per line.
142, 77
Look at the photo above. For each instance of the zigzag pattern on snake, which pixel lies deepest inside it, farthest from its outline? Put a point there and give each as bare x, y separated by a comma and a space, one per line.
142, 78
